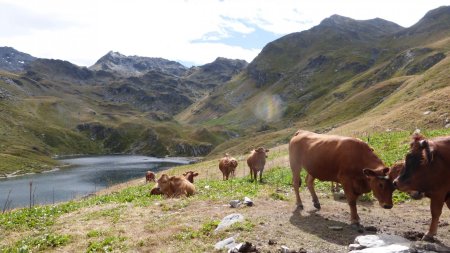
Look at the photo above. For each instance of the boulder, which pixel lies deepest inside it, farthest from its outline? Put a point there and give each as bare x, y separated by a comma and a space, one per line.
229, 220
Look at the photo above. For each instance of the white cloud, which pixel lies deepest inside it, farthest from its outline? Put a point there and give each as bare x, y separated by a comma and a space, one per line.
84, 30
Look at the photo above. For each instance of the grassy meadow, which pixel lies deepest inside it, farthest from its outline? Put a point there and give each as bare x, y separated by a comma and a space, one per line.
108, 221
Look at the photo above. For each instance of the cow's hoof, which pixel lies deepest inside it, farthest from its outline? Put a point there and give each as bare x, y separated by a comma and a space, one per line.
358, 227
317, 205
300, 207
428, 238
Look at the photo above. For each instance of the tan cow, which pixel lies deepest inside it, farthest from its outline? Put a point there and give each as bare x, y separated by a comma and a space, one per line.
189, 175
348, 161
175, 186
150, 176
228, 166
256, 162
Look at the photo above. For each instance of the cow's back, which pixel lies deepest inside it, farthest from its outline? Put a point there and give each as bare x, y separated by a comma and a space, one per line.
331, 157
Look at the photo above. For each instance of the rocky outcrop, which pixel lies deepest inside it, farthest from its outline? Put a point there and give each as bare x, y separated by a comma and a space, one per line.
187, 149
136, 65
13, 60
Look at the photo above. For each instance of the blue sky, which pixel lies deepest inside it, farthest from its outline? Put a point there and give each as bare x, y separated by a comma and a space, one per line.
193, 32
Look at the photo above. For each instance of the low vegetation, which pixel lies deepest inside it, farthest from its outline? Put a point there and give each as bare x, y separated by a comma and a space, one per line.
130, 219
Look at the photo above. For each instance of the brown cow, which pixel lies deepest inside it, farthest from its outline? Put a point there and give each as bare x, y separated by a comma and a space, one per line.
427, 170
175, 186
348, 161
227, 165
150, 176
189, 175
256, 161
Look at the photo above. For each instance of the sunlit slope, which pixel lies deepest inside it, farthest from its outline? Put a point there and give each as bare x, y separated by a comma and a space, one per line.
341, 71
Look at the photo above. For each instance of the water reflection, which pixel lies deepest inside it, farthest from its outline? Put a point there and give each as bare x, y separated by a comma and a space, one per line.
86, 175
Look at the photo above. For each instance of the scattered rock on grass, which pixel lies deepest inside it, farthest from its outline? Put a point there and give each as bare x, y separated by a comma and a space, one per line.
248, 201
235, 203
244, 247
272, 242
228, 243
229, 220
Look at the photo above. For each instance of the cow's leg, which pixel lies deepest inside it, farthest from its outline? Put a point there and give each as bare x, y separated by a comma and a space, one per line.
296, 183
447, 200
436, 205
351, 200
310, 184
255, 175
260, 176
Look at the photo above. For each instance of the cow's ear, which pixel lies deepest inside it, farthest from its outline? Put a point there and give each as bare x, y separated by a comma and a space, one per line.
369, 173
195, 174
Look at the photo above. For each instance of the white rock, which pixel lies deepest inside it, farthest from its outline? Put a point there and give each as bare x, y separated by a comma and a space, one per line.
426, 113
355, 246
228, 243
285, 249
371, 241
229, 220
248, 201
447, 126
393, 248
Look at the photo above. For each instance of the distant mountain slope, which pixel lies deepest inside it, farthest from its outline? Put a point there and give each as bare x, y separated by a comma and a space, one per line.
52, 107
331, 75
13, 60
136, 65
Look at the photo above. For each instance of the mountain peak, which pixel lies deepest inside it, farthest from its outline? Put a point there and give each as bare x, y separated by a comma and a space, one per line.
13, 60
136, 65
336, 20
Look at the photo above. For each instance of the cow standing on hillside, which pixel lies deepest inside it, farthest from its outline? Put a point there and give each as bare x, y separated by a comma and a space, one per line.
427, 170
227, 166
256, 162
348, 161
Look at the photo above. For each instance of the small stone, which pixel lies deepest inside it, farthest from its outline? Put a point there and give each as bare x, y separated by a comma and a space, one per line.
447, 126
285, 249
248, 201
302, 250
355, 246
335, 228
235, 203
371, 229
426, 113
272, 242
228, 243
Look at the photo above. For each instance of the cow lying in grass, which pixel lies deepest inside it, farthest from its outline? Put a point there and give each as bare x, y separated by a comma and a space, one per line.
175, 186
